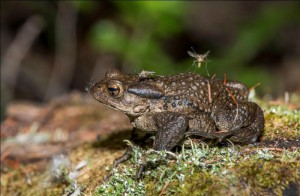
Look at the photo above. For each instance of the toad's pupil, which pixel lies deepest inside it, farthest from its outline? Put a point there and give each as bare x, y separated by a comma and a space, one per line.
114, 91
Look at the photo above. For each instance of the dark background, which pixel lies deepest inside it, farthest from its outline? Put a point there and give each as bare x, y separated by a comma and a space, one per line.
49, 48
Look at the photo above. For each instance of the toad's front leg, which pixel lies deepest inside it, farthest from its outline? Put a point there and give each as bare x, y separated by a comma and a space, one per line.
171, 128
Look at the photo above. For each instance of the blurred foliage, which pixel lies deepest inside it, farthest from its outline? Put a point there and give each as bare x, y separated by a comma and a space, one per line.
137, 34
253, 37
84, 6
136, 39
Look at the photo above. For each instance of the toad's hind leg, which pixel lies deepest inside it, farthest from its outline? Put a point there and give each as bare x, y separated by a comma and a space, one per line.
243, 123
202, 125
252, 132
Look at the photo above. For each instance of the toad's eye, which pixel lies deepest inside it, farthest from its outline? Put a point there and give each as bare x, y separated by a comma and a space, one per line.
115, 88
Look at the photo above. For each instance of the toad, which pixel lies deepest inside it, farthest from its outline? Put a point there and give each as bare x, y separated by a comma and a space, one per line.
176, 107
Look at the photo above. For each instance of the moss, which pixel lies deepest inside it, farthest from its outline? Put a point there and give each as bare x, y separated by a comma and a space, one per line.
282, 122
248, 177
268, 176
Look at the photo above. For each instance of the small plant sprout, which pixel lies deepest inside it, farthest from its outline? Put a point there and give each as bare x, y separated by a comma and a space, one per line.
199, 58
251, 96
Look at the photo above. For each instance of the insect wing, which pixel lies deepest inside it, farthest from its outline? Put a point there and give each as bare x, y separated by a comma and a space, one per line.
192, 54
206, 54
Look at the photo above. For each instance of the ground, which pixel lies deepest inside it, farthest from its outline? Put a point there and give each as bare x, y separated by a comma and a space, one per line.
67, 147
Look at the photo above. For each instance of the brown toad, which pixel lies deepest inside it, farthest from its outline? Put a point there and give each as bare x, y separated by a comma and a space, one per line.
175, 107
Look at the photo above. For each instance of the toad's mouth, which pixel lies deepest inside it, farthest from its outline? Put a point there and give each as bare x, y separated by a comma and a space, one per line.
101, 97
110, 102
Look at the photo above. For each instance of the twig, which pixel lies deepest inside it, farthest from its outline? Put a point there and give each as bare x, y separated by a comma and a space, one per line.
232, 96
164, 188
65, 56
271, 149
225, 79
209, 92
13, 163
16, 52
222, 131
5, 154
286, 97
237, 105
212, 161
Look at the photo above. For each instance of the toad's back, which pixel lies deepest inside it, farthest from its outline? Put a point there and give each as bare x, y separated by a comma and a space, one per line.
188, 84
185, 93
189, 93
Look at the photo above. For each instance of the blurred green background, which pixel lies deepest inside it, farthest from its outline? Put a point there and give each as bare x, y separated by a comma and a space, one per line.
51, 47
